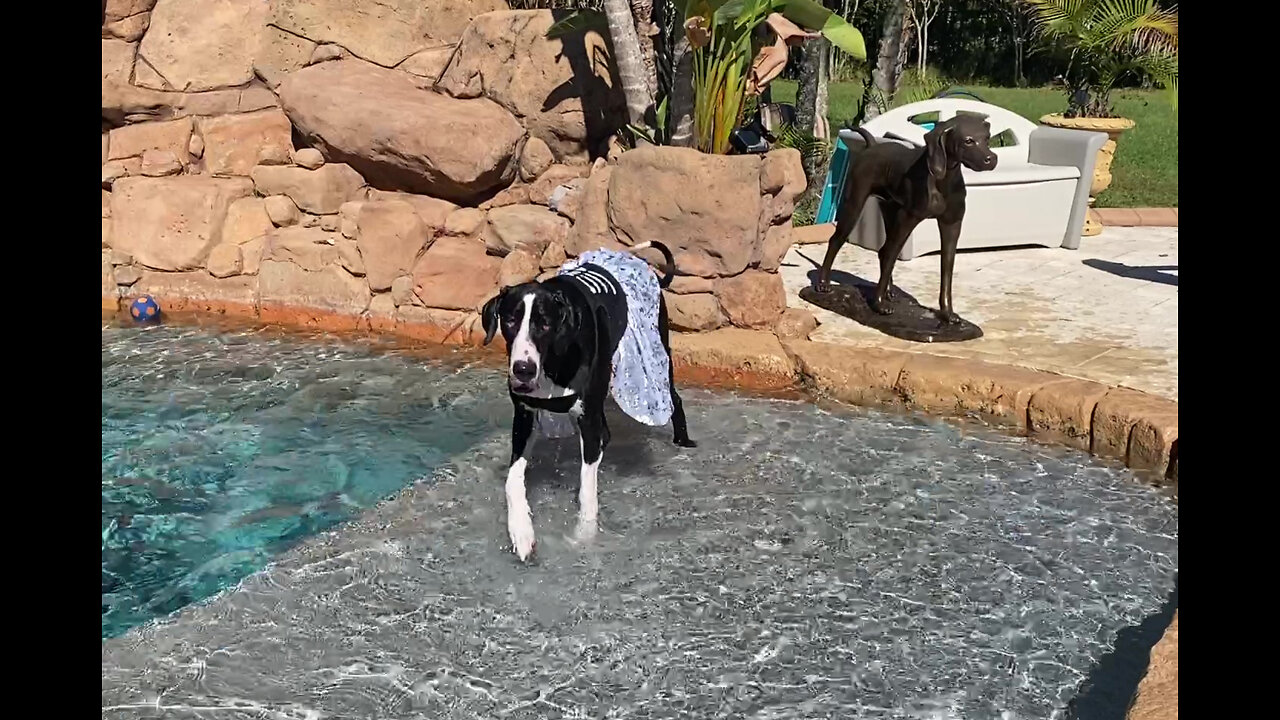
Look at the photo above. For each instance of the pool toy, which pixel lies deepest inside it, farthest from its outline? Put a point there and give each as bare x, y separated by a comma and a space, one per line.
144, 309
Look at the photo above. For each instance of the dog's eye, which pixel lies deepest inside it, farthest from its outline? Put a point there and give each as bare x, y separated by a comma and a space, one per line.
969, 141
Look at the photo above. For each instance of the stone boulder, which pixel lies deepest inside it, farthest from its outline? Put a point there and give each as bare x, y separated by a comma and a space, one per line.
591, 229
232, 143
704, 207
193, 46
117, 60
133, 140
433, 211
694, 313
418, 141
528, 226
754, 299
320, 191
301, 268
123, 102
247, 218
437, 275
520, 266
562, 89
555, 176
172, 223
391, 236
280, 53
159, 163
386, 32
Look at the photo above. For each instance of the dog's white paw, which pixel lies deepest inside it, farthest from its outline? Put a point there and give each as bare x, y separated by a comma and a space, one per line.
586, 529
520, 528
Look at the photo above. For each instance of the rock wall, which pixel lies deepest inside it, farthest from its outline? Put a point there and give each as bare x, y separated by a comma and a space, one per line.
389, 165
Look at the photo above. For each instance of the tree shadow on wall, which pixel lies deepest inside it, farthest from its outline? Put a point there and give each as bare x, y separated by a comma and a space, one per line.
1110, 686
603, 105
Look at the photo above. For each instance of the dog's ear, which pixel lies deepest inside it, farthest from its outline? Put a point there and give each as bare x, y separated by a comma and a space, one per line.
489, 315
935, 144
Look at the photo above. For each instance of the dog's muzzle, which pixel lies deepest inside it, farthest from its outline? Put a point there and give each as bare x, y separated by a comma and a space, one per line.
523, 375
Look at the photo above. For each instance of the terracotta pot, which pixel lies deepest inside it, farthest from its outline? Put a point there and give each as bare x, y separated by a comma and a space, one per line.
1112, 127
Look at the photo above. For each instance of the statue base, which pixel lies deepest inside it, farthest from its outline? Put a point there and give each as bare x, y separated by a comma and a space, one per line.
909, 321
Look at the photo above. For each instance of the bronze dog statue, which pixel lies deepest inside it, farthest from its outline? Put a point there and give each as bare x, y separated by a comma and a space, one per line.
913, 184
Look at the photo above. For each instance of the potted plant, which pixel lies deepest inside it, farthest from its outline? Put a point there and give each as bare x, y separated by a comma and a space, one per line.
1106, 42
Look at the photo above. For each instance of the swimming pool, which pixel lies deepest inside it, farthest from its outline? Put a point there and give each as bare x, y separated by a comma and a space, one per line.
803, 561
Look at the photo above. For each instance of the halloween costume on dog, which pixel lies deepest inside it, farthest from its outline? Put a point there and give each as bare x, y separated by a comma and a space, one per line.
627, 288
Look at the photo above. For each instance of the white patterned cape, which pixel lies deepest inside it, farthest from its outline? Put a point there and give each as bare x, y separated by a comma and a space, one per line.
641, 383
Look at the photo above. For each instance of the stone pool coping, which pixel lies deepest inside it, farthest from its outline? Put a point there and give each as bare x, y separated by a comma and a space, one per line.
1119, 424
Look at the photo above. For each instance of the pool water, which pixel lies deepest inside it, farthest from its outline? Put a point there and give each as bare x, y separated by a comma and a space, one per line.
803, 561
221, 451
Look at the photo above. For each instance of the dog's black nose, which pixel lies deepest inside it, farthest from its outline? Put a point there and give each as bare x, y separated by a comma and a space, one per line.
524, 370
989, 160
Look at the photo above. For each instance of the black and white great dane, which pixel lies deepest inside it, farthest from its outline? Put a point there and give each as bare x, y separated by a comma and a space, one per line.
560, 347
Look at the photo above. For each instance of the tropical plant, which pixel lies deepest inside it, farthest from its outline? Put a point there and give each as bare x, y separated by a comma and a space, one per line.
722, 33
1105, 42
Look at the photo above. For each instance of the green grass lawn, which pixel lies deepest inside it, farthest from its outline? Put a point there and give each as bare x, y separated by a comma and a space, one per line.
1145, 170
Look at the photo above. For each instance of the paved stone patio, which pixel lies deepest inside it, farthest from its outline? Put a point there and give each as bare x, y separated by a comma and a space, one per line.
1106, 312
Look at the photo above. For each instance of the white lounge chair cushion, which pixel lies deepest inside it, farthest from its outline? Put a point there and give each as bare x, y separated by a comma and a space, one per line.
1014, 173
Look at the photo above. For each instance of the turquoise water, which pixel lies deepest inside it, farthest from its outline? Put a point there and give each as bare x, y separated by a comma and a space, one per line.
219, 451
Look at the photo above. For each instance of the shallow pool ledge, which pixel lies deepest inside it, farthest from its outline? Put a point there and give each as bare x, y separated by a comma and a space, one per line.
1133, 427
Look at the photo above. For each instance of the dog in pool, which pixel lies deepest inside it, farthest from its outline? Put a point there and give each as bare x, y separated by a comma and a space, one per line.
597, 328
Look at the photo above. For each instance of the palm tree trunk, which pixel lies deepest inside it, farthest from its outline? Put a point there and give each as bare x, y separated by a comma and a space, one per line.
811, 105
887, 69
629, 59
681, 103
642, 16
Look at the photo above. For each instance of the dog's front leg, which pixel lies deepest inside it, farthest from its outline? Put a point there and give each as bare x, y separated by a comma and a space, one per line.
949, 232
519, 516
594, 434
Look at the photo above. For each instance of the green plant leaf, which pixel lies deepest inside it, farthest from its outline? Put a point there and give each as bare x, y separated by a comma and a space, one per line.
578, 21
728, 12
811, 15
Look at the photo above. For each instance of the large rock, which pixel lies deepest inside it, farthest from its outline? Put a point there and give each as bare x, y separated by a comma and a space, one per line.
117, 60
592, 230
562, 89
122, 102
754, 299
438, 276
113, 10
301, 268
333, 289
172, 223
390, 235
520, 266
433, 211
704, 207
385, 32
529, 226
199, 291
232, 143
696, 312
418, 141
133, 140
247, 218
280, 53
202, 45
129, 29
321, 191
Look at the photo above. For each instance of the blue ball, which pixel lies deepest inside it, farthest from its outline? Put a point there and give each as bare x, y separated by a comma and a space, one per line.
144, 309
